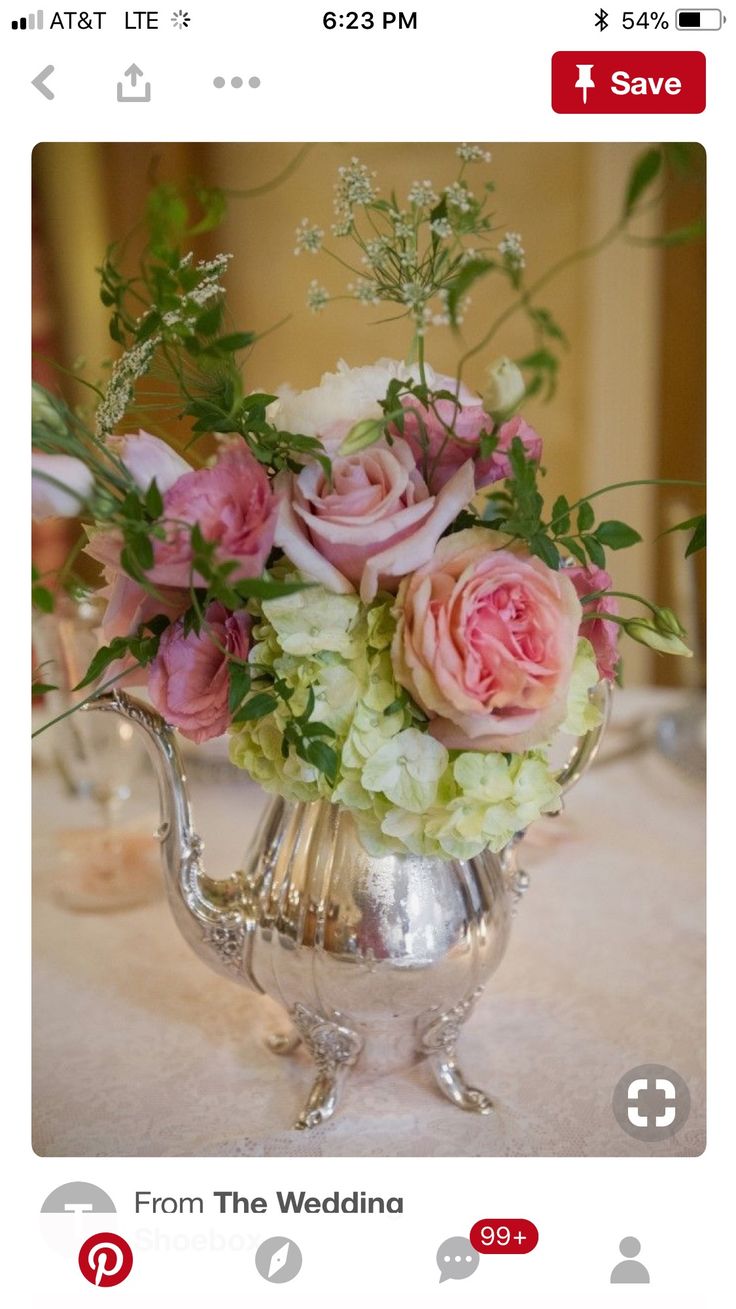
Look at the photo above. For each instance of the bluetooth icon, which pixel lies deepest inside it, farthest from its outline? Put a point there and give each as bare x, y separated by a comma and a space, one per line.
600, 20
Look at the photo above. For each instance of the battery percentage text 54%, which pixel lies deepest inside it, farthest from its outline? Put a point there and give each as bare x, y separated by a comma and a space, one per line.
657, 21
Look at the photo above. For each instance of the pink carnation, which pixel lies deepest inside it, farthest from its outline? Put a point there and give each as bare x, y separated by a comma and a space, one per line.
439, 455
485, 643
189, 680
603, 636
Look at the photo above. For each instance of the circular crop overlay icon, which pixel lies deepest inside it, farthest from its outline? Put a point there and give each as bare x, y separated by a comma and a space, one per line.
105, 1259
651, 1102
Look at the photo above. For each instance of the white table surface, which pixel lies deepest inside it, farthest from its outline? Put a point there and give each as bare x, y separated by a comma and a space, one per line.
140, 1050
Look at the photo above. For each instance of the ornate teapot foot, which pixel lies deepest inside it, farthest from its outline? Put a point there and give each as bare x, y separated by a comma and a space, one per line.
438, 1037
334, 1048
452, 1084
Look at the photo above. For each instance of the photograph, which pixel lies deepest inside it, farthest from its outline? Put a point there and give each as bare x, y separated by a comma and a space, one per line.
368, 664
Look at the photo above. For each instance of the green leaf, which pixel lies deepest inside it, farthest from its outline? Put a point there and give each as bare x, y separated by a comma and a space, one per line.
560, 521
154, 500
586, 516
42, 599
545, 549
42, 688
317, 729
235, 341
616, 535
323, 757
395, 707
208, 322
239, 684
263, 589
575, 548
643, 173
140, 548
258, 707
487, 444
697, 525
678, 235
596, 553
697, 541
106, 655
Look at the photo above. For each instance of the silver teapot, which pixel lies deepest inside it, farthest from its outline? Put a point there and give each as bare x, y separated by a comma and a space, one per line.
374, 959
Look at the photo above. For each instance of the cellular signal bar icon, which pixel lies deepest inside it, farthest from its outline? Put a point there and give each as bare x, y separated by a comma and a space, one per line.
33, 23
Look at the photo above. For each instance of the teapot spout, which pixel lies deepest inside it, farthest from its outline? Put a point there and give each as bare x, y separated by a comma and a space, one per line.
217, 917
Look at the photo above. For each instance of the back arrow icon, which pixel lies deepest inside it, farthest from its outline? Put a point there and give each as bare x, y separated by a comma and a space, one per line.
40, 79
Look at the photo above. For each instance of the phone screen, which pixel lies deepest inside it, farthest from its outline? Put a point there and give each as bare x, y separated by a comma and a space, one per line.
373, 356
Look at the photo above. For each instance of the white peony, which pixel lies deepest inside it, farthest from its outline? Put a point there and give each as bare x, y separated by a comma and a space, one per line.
349, 396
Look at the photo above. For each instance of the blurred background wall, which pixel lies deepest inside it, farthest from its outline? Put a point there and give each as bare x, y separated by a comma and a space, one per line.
631, 398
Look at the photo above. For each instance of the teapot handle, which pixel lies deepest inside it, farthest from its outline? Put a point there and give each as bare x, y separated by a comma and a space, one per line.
586, 747
215, 916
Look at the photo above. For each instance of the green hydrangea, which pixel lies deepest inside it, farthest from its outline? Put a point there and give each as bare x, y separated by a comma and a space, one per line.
406, 791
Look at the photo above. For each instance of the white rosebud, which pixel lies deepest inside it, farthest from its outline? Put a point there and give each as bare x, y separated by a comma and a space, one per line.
505, 388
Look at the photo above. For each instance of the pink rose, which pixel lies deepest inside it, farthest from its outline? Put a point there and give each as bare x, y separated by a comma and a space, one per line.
149, 459
372, 523
603, 636
128, 605
189, 680
232, 505
440, 454
485, 643
61, 486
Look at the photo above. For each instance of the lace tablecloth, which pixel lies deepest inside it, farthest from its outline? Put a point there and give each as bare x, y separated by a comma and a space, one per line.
141, 1050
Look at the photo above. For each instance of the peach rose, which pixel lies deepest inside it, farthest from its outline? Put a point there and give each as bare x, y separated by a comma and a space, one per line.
485, 643
374, 521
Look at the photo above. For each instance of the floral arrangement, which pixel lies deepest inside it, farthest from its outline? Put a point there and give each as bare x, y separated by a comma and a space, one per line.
359, 582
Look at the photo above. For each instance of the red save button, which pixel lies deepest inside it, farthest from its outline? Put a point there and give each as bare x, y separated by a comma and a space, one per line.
628, 82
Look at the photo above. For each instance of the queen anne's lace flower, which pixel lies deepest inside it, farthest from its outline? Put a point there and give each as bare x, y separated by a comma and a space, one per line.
317, 296
512, 250
309, 238
473, 154
423, 195
355, 186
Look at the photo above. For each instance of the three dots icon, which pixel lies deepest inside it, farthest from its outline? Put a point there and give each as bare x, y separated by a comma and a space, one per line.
235, 82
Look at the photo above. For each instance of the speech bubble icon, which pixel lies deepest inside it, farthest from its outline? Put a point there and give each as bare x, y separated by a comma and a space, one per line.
456, 1259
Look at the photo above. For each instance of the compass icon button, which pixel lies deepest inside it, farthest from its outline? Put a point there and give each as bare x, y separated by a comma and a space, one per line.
278, 1259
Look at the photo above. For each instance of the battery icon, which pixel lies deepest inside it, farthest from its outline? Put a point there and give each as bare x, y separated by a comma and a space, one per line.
698, 20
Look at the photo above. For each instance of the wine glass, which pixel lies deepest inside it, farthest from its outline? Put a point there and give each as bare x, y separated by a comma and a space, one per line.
105, 862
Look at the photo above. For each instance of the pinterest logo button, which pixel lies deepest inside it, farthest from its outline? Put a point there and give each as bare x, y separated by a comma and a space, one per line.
105, 1259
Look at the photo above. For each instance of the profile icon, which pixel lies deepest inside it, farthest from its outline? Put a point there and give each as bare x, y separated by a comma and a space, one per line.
630, 1270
